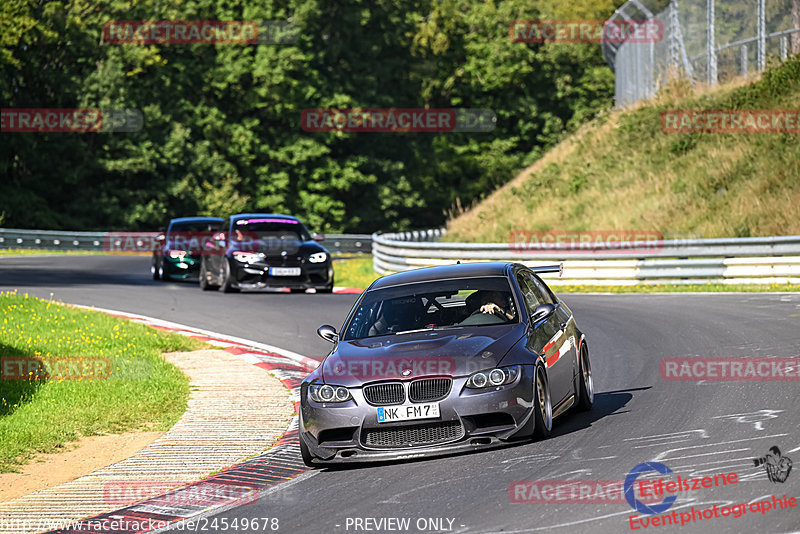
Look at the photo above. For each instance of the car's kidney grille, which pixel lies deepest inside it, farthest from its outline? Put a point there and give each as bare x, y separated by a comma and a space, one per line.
413, 435
385, 394
429, 389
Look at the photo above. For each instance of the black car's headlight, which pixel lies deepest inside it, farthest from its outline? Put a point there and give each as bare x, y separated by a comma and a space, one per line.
493, 377
248, 257
318, 257
177, 254
327, 393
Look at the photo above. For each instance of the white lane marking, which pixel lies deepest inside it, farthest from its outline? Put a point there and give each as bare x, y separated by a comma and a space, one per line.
707, 454
661, 455
672, 437
752, 417
394, 499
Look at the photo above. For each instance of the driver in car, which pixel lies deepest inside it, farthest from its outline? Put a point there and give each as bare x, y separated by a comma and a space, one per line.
489, 300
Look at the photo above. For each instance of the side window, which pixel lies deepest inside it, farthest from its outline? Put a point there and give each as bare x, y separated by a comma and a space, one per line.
529, 291
543, 293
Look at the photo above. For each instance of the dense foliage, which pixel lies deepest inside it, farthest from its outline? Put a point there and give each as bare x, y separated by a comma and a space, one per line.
222, 121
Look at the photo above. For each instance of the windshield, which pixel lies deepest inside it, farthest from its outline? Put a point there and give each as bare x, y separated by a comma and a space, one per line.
271, 228
433, 305
194, 226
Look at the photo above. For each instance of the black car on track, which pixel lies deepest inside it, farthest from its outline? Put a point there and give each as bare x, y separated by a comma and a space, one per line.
445, 359
181, 245
260, 250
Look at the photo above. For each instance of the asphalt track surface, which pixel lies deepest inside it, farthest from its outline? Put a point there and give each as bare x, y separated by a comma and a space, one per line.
695, 428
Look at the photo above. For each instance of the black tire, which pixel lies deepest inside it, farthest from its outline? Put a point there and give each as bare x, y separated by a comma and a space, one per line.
327, 289
227, 285
297, 290
154, 269
205, 285
585, 382
308, 458
542, 405
162, 272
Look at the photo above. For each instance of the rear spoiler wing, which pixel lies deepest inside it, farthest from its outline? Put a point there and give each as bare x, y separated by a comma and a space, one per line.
558, 268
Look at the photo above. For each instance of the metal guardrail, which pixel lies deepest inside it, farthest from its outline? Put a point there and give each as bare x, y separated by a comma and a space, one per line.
674, 261
11, 238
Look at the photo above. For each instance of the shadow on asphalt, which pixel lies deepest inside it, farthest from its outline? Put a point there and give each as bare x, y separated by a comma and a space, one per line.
605, 404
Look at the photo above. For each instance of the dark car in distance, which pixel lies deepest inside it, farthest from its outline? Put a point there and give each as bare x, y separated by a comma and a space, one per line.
181, 245
266, 250
445, 359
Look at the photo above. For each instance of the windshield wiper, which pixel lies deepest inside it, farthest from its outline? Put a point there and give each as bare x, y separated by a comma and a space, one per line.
429, 329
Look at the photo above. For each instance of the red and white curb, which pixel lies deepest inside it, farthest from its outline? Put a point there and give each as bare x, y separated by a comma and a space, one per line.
242, 483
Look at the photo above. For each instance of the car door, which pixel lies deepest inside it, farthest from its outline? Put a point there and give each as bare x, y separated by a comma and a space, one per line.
563, 319
548, 337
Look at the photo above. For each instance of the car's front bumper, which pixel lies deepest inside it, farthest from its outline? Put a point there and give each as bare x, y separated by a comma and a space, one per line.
482, 418
256, 276
182, 268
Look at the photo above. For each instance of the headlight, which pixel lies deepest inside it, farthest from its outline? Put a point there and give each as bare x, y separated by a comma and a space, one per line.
177, 253
493, 377
248, 257
318, 257
326, 393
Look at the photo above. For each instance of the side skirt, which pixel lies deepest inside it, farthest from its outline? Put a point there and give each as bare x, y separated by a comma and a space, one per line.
566, 405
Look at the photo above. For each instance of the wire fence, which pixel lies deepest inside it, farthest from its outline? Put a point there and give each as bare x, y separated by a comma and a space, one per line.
706, 41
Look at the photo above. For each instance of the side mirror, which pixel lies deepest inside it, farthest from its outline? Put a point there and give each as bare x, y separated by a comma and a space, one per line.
542, 311
318, 237
328, 333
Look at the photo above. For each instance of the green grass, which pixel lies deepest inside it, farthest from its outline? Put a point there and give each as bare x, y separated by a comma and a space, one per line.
679, 288
355, 272
143, 391
358, 273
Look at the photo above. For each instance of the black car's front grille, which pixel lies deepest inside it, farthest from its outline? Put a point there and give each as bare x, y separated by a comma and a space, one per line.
429, 389
385, 394
412, 435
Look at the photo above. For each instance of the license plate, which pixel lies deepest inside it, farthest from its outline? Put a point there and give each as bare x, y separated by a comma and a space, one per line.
407, 413
284, 271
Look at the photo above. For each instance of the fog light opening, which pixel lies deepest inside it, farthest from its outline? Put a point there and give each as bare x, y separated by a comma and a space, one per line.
348, 454
481, 441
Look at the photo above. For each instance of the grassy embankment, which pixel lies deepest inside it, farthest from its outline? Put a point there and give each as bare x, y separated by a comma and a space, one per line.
142, 391
622, 172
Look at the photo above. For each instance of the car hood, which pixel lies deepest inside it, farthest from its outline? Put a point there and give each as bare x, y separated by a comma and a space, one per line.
457, 352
